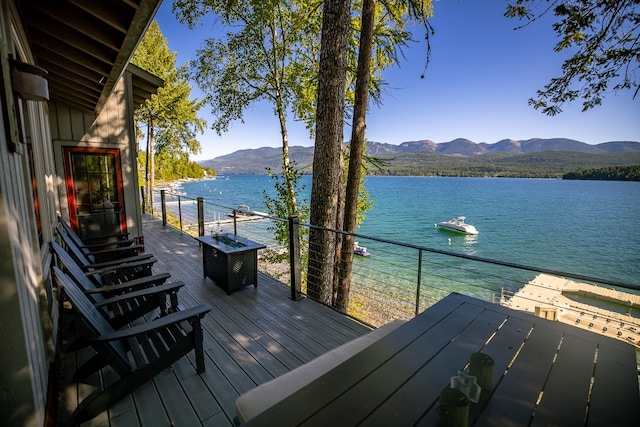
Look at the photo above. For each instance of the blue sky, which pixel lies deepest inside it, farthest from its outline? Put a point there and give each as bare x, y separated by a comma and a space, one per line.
481, 75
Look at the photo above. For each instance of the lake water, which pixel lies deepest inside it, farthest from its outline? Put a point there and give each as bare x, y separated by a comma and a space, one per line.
581, 227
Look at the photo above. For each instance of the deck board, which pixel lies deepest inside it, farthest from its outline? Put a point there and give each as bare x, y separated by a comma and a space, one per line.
250, 337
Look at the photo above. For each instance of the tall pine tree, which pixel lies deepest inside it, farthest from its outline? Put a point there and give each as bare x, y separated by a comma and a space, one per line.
170, 115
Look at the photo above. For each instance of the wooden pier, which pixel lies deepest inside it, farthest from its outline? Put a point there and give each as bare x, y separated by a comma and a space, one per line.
598, 309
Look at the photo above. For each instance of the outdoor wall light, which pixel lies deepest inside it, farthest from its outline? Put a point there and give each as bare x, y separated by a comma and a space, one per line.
29, 81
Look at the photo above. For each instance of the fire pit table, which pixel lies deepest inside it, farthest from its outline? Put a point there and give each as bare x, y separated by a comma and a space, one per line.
230, 260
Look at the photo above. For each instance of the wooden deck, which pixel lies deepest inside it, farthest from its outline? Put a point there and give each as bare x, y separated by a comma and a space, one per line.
250, 337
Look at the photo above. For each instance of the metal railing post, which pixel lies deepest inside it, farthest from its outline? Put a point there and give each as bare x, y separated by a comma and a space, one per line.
200, 216
294, 257
144, 199
235, 222
163, 202
180, 213
419, 281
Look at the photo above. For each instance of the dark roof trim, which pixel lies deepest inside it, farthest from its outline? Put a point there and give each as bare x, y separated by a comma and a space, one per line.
85, 45
144, 84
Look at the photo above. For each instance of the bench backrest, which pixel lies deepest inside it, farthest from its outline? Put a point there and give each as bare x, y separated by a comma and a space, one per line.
72, 234
74, 270
78, 254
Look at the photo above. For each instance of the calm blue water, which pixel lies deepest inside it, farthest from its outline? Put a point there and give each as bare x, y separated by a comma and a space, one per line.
583, 227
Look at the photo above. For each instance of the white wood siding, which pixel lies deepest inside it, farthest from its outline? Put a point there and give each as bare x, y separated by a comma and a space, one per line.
25, 338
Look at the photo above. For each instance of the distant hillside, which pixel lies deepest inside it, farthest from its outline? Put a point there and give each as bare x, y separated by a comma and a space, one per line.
425, 157
258, 160
544, 164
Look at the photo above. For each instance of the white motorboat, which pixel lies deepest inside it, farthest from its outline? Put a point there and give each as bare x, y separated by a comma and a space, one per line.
458, 225
360, 250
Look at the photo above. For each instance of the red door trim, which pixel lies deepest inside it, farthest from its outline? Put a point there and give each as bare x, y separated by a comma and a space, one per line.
68, 172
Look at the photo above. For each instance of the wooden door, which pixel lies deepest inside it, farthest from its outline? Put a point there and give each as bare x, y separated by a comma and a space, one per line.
94, 191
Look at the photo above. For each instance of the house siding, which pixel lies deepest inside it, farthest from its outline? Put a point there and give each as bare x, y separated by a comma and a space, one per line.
25, 344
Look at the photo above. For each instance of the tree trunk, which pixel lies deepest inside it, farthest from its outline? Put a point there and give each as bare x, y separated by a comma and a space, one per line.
356, 151
339, 237
149, 172
152, 164
325, 186
291, 202
145, 201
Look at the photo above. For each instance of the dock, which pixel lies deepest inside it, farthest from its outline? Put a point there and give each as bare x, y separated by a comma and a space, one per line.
606, 311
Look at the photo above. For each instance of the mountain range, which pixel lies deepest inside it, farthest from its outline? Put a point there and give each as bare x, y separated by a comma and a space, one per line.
256, 161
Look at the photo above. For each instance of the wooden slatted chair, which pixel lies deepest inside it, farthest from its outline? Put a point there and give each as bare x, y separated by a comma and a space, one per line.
73, 240
119, 247
153, 347
124, 302
110, 272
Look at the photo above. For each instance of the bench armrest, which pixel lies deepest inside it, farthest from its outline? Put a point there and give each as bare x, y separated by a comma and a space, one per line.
161, 322
162, 289
148, 262
147, 281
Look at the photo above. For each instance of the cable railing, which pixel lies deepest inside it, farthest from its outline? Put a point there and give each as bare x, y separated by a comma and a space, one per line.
400, 280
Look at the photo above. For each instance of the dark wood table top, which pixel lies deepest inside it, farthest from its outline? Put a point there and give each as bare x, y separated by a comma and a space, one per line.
545, 373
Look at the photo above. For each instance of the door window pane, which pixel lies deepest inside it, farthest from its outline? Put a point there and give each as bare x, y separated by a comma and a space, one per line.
96, 208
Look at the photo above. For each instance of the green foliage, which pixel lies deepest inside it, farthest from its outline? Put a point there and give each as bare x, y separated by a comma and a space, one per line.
256, 59
169, 114
611, 173
282, 206
603, 39
272, 49
173, 168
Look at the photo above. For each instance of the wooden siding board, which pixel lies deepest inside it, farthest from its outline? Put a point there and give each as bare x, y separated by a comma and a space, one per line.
77, 125
63, 120
54, 126
89, 120
23, 279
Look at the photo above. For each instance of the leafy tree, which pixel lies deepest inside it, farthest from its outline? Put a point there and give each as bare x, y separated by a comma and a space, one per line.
170, 116
277, 206
259, 58
604, 37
